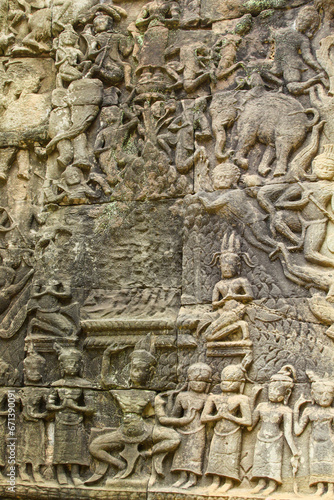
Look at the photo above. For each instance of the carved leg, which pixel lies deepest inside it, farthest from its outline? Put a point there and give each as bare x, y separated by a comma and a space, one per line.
75, 475
36, 474
215, 484
267, 158
260, 485
191, 481
314, 238
283, 149
182, 480
247, 139
65, 150
24, 476
330, 491
227, 486
220, 136
272, 486
61, 474
320, 489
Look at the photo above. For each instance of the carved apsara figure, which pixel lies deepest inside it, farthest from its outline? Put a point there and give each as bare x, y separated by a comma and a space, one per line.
276, 426
231, 294
32, 438
135, 430
54, 314
69, 58
189, 405
230, 411
67, 403
293, 49
321, 417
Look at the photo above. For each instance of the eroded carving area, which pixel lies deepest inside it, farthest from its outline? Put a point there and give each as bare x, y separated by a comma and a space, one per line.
166, 249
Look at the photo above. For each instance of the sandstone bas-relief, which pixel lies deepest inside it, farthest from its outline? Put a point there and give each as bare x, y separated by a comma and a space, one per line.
166, 244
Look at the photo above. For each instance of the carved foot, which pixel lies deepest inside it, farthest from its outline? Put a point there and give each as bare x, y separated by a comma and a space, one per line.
270, 489
191, 482
260, 485
227, 486
320, 489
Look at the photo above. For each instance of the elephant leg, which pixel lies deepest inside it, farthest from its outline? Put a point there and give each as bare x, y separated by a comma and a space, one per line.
267, 158
247, 139
220, 136
283, 149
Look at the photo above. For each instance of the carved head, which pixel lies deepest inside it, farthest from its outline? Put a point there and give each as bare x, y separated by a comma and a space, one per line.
322, 389
70, 360
307, 21
232, 377
225, 176
199, 377
68, 37
143, 362
110, 115
281, 384
73, 176
8, 375
34, 367
323, 164
230, 261
102, 23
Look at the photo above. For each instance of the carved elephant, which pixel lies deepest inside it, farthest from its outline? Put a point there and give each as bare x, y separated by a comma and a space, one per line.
276, 120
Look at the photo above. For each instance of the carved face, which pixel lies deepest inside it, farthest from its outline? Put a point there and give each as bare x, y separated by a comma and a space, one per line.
67, 38
73, 176
33, 371
102, 23
225, 176
278, 391
70, 366
323, 394
199, 382
139, 372
230, 385
323, 169
229, 265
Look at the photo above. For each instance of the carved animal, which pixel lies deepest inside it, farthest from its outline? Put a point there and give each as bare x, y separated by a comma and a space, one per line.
276, 120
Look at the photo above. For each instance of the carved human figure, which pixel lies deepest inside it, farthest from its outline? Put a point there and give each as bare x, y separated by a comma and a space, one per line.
224, 53
72, 188
293, 49
108, 48
229, 411
312, 199
33, 415
8, 377
54, 315
39, 24
189, 405
276, 426
189, 127
230, 295
134, 429
69, 58
234, 204
116, 125
326, 59
59, 122
67, 403
321, 417
155, 20
85, 98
